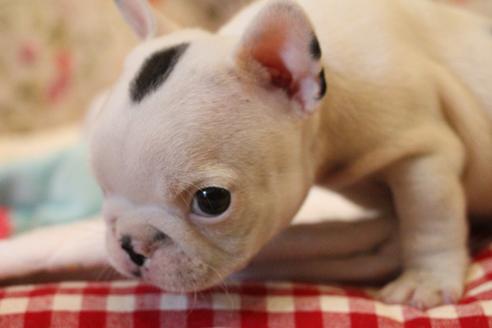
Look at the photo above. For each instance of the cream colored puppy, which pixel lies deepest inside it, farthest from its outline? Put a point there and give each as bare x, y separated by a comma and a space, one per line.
208, 144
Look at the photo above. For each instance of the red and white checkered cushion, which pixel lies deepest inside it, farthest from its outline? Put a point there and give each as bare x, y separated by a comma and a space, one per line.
133, 304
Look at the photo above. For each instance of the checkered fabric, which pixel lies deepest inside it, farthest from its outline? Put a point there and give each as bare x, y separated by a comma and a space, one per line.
133, 304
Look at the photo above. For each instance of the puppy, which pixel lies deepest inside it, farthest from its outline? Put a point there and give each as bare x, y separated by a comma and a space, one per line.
207, 145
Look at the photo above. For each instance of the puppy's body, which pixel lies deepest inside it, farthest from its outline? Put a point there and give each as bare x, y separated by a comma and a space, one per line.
418, 68
405, 128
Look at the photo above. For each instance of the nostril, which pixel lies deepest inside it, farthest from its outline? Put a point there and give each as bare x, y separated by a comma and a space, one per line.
160, 236
126, 245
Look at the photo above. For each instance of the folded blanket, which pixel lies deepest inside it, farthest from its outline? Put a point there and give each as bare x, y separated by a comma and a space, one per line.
53, 189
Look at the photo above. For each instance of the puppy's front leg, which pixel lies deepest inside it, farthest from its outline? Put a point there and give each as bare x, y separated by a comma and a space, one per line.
430, 202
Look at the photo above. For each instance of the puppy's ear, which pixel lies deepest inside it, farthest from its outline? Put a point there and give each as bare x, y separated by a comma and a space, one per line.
282, 41
143, 20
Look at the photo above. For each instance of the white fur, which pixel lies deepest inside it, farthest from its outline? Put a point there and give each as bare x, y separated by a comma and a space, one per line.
405, 130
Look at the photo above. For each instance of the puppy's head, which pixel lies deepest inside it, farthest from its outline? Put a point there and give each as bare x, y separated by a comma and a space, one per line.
203, 148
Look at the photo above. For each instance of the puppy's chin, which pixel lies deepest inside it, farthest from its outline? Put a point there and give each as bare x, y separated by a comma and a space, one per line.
179, 272
169, 268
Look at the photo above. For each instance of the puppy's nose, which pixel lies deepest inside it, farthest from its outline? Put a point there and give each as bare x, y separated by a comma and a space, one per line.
126, 245
160, 236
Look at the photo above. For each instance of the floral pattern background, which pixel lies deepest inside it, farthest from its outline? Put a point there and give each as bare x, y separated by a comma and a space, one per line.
57, 54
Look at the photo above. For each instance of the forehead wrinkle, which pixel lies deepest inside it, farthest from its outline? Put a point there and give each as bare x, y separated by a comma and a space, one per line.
178, 157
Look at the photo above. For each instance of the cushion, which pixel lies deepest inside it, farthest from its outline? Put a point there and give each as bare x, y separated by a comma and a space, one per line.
135, 304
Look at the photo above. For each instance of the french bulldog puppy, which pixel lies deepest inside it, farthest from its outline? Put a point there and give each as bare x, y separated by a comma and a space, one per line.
207, 145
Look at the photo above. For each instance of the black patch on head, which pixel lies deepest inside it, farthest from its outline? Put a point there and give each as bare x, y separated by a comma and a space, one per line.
155, 70
314, 48
322, 84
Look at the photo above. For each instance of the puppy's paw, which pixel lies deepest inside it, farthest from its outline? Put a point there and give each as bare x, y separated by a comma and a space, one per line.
423, 289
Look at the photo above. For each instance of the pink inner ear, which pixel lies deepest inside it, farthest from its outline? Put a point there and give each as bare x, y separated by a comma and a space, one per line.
268, 54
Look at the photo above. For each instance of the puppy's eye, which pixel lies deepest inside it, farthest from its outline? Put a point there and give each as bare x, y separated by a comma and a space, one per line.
211, 201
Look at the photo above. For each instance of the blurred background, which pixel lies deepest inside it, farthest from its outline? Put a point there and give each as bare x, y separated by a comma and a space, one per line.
58, 54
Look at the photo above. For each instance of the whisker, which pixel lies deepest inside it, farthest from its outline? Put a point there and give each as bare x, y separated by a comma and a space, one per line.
102, 273
222, 285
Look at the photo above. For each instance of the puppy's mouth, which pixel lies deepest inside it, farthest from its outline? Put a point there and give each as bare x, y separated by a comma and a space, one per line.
162, 263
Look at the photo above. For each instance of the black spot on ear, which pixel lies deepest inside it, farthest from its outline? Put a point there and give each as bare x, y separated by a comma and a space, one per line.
314, 48
155, 70
322, 84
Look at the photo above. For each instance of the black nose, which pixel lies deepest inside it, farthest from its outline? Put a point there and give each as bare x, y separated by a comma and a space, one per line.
126, 244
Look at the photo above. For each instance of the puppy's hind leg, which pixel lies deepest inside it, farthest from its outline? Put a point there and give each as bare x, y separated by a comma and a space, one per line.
360, 251
373, 265
328, 239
